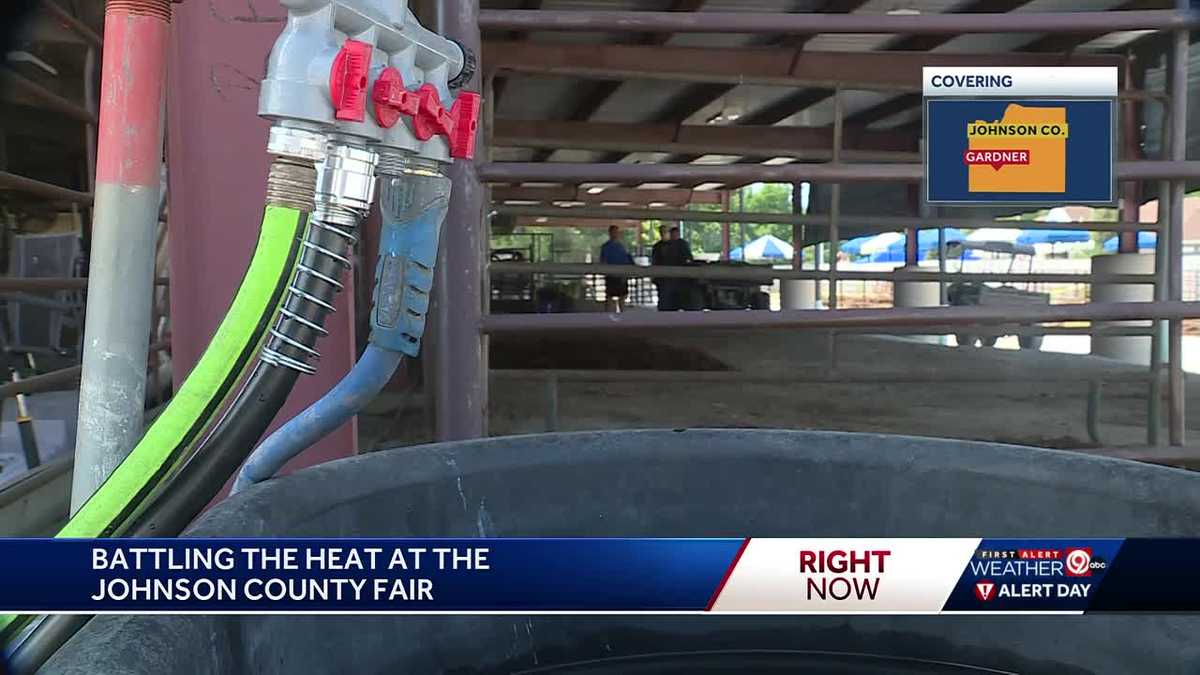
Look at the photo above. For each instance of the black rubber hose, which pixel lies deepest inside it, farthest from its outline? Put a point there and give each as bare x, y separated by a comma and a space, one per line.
198, 481
300, 321
185, 494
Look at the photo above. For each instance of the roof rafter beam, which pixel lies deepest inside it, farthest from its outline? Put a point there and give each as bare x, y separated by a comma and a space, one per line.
599, 92
612, 195
1043, 45
812, 143
749, 65
995, 20
501, 83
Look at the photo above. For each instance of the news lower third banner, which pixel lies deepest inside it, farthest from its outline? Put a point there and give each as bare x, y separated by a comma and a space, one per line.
796, 576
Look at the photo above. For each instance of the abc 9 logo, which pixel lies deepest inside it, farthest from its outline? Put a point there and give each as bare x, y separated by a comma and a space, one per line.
1079, 563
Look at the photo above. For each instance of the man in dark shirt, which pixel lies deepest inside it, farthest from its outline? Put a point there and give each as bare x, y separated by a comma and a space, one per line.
613, 253
656, 258
674, 252
679, 250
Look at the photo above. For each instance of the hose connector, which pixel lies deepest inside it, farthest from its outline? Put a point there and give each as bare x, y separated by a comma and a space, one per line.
345, 187
413, 201
345, 184
292, 178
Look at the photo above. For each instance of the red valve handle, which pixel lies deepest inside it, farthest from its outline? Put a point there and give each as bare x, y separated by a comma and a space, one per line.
458, 124
465, 113
430, 118
391, 99
348, 81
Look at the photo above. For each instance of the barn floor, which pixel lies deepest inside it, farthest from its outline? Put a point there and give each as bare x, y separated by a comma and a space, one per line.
1027, 409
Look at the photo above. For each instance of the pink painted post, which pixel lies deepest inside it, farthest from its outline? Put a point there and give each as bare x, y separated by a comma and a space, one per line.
218, 169
112, 383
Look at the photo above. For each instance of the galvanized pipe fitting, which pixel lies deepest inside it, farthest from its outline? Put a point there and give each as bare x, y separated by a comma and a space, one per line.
345, 184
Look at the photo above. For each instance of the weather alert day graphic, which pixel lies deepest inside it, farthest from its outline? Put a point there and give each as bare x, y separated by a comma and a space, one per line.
981, 148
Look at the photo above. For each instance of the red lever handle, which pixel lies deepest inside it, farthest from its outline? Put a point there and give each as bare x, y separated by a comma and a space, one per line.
458, 124
430, 118
391, 99
348, 81
465, 116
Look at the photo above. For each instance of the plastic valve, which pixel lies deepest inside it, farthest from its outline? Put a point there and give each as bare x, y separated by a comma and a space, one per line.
348, 81
465, 113
391, 99
458, 124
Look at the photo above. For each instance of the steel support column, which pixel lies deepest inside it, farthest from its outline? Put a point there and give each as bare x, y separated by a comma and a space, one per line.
1131, 149
460, 358
835, 205
116, 337
1178, 77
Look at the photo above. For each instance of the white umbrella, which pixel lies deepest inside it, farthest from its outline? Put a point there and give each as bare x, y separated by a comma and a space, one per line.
994, 234
1057, 215
766, 247
880, 243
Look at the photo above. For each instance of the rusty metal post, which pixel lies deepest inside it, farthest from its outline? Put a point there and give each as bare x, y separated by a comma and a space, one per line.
125, 221
1130, 190
460, 359
1178, 75
835, 206
89, 130
797, 228
1158, 338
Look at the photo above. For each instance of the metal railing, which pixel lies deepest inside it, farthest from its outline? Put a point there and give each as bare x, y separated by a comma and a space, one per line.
1170, 169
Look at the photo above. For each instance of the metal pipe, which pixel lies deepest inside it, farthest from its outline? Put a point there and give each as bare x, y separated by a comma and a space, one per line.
128, 185
71, 21
845, 318
797, 376
55, 380
50, 284
1178, 72
460, 356
775, 23
45, 97
11, 181
1158, 337
89, 130
1130, 149
835, 211
560, 172
815, 220
766, 274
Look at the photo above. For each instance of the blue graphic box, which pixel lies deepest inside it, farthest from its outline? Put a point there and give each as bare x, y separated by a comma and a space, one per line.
1090, 150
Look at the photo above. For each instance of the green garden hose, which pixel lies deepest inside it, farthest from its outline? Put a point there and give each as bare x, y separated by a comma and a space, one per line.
193, 408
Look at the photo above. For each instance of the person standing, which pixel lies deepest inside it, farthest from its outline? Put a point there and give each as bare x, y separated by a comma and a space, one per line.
676, 252
656, 258
613, 252
680, 249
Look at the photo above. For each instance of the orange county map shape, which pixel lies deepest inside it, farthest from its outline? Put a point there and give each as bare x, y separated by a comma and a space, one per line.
1047, 167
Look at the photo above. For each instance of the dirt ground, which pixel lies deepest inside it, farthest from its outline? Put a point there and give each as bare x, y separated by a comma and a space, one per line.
1027, 408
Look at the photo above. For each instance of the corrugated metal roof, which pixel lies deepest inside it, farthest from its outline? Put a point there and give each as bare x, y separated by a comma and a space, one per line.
644, 100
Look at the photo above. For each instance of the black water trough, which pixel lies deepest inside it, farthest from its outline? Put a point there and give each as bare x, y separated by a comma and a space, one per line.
681, 484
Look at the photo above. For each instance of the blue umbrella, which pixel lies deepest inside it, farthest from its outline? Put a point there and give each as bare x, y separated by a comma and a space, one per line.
1145, 241
927, 241
854, 246
1031, 237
